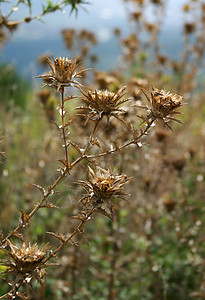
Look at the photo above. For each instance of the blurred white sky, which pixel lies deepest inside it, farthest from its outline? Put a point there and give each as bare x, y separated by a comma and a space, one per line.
99, 15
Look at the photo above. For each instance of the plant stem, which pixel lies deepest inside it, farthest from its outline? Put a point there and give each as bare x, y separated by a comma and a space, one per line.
76, 230
63, 126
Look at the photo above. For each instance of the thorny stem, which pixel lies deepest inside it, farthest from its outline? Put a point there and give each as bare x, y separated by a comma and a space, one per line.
76, 230
11, 11
133, 141
63, 126
91, 136
61, 5
14, 290
49, 191
53, 186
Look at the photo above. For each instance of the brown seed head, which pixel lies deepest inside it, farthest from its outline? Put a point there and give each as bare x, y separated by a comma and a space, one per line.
131, 43
25, 259
43, 95
163, 106
101, 103
136, 15
62, 74
189, 28
164, 103
102, 187
68, 36
157, 2
104, 79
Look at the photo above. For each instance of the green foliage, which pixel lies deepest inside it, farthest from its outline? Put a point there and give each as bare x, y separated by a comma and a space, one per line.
13, 88
50, 7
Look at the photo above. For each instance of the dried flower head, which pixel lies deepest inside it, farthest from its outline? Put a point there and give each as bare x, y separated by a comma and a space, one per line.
102, 187
68, 36
25, 262
163, 106
130, 44
189, 28
43, 95
151, 27
157, 2
100, 103
136, 15
117, 31
104, 79
63, 73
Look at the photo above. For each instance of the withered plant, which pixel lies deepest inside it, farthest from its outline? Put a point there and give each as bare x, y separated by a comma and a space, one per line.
26, 262
108, 240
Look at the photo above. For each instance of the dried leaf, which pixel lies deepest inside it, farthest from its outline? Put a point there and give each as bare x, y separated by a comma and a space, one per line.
65, 163
107, 213
54, 123
24, 217
60, 237
68, 123
77, 147
41, 189
20, 295
69, 98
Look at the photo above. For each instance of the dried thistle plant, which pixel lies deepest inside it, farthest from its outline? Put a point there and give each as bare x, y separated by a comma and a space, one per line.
62, 74
100, 103
25, 263
102, 187
163, 106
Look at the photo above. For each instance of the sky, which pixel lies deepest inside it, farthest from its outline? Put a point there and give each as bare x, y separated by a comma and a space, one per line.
101, 16
98, 15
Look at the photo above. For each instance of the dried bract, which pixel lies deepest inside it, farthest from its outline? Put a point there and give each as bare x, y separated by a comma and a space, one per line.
63, 73
25, 262
163, 106
102, 187
101, 103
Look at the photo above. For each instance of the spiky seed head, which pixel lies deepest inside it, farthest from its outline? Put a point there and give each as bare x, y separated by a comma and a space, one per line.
62, 74
102, 187
26, 258
163, 106
164, 103
101, 103
26, 261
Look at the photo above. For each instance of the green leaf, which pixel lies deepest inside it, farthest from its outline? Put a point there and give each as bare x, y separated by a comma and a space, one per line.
74, 4
50, 7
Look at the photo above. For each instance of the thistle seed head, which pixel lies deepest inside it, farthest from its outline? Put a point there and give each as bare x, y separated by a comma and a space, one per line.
163, 106
102, 187
163, 103
101, 103
26, 261
62, 74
